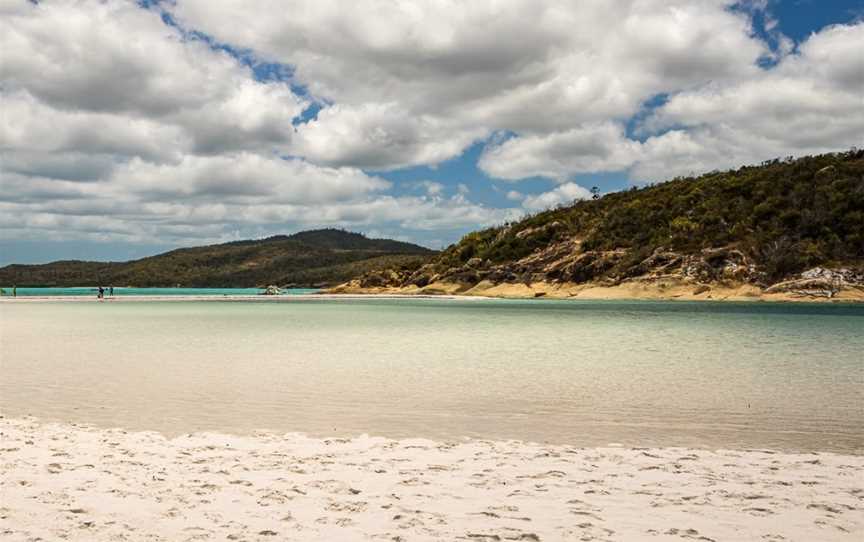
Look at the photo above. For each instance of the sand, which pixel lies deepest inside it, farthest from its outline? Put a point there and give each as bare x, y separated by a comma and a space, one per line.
69, 482
660, 290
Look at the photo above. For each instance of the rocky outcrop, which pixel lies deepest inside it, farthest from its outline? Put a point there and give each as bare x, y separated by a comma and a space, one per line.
719, 264
820, 282
843, 275
547, 229
565, 262
725, 234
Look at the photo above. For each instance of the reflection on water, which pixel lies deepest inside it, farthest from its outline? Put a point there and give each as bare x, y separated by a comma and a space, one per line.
585, 373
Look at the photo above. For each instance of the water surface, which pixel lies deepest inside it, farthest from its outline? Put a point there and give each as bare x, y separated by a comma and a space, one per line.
130, 291
715, 375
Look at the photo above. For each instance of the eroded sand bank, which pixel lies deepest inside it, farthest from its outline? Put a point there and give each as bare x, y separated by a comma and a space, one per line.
69, 482
670, 290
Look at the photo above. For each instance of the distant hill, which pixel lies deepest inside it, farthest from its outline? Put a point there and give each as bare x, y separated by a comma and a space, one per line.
310, 258
758, 225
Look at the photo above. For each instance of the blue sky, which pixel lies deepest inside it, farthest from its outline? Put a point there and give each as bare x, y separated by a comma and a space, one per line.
213, 121
799, 18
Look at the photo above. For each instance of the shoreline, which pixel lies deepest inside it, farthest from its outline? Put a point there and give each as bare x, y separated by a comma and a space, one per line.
452, 291
670, 290
84, 483
227, 297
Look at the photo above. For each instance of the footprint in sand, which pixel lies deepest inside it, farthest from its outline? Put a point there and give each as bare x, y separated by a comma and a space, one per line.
759, 511
826, 508
692, 534
351, 507
586, 514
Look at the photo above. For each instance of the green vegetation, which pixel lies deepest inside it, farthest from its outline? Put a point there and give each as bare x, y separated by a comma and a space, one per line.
312, 258
758, 224
786, 215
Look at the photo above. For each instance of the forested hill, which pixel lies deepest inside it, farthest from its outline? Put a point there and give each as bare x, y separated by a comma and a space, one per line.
310, 258
758, 224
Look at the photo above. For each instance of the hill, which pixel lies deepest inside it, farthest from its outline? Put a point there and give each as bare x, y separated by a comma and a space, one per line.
311, 258
783, 226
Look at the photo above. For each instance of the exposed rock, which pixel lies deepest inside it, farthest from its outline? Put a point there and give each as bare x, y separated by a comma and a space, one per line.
815, 287
722, 263
842, 275
827, 172
820, 282
500, 274
566, 262
582, 267
384, 278
272, 290
661, 261
540, 230
423, 276
465, 276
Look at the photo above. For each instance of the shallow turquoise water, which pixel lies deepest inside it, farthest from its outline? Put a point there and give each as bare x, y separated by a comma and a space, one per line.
715, 375
92, 291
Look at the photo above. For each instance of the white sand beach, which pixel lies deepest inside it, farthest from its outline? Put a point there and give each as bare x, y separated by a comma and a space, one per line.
71, 482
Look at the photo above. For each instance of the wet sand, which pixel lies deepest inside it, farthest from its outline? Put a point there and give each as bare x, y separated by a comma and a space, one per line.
71, 482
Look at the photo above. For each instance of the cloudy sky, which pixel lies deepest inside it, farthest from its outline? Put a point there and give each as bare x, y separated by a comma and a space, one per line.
127, 128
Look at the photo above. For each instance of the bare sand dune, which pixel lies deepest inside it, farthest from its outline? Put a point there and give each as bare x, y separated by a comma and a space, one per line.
66, 482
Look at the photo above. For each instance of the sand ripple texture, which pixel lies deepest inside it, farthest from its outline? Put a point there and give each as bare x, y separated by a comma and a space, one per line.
67, 482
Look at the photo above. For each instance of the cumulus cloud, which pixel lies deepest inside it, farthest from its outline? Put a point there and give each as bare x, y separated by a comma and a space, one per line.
805, 104
118, 125
433, 189
380, 136
584, 149
810, 102
515, 195
417, 82
79, 214
244, 176
560, 195
28, 125
114, 60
